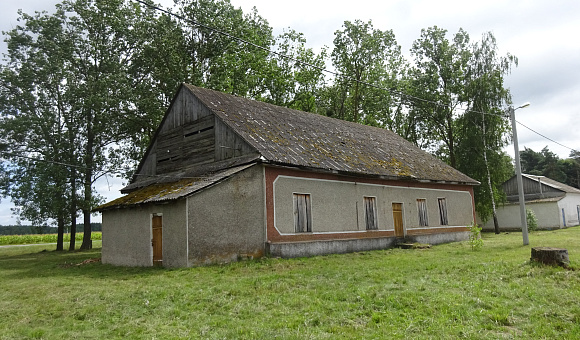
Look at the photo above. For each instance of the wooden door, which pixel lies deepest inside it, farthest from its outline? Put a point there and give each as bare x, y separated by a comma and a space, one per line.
157, 240
398, 219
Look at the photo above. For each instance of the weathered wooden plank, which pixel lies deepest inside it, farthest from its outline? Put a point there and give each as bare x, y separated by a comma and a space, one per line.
208, 134
187, 153
200, 159
172, 146
168, 159
229, 144
187, 146
199, 124
173, 133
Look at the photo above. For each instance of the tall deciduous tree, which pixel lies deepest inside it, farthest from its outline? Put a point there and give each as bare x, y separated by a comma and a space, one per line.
547, 163
572, 169
218, 61
484, 126
35, 108
108, 37
439, 77
292, 83
69, 74
462, 85
364, 54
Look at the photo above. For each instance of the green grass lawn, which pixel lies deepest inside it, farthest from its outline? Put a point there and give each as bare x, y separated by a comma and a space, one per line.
448, 291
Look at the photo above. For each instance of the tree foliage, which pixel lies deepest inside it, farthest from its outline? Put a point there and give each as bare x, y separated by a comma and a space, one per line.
70, 74
461, 115
84, 89
35, 108
289, 83
439, 77
364, 54
546, 163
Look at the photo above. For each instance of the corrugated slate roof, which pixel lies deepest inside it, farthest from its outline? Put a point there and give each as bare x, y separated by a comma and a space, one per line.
167, 191
291, 137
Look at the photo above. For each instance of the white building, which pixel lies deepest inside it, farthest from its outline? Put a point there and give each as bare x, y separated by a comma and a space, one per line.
555, 204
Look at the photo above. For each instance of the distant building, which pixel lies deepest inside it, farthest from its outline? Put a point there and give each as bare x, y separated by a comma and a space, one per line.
555, 204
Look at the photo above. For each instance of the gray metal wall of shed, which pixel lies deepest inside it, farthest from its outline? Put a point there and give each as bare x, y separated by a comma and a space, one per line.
127, 235
227, 221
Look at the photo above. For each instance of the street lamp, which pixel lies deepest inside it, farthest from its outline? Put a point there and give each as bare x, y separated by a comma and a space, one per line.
519, 173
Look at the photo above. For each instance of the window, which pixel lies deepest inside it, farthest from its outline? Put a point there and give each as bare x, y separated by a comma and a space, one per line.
302, 214
422, 208
443, 211
371, 213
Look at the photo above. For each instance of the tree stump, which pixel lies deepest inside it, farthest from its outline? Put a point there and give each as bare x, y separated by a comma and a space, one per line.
551, 256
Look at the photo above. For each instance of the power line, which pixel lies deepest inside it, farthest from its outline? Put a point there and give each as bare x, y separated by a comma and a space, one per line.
321, 69
285, 56
548, 138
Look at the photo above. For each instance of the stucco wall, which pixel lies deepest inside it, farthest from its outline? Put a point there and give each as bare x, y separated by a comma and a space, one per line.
509, 218
127, 235
570, 204
337, 206
227, 221
174, 233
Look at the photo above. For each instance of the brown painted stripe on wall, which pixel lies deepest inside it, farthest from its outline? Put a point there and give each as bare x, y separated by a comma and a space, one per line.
273, 236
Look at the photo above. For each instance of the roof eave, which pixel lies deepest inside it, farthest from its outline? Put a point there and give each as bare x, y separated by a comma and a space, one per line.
366, 175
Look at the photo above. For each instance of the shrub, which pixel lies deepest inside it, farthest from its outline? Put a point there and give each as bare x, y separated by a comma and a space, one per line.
531, 219
475, 240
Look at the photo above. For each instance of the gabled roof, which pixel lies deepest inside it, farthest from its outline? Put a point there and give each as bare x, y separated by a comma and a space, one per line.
288, 137
552, 183
300, 139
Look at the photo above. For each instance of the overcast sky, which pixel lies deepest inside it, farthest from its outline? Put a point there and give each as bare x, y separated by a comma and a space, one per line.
542, 34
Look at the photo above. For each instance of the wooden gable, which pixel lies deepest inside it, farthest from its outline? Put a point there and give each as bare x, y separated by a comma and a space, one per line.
535, 187
190, 135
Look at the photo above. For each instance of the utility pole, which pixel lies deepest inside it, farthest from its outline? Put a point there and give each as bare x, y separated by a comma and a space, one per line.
519, 174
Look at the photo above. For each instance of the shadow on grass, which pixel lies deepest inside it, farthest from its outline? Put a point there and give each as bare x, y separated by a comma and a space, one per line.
503, 247
52, 263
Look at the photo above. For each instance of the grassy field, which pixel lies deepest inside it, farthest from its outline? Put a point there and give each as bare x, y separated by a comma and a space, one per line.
448, 291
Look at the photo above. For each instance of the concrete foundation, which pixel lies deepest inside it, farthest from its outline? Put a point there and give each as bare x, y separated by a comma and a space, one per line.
315, 248
439, 238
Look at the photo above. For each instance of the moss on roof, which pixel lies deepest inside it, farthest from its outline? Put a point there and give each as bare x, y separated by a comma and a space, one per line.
155, 192
286, 136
